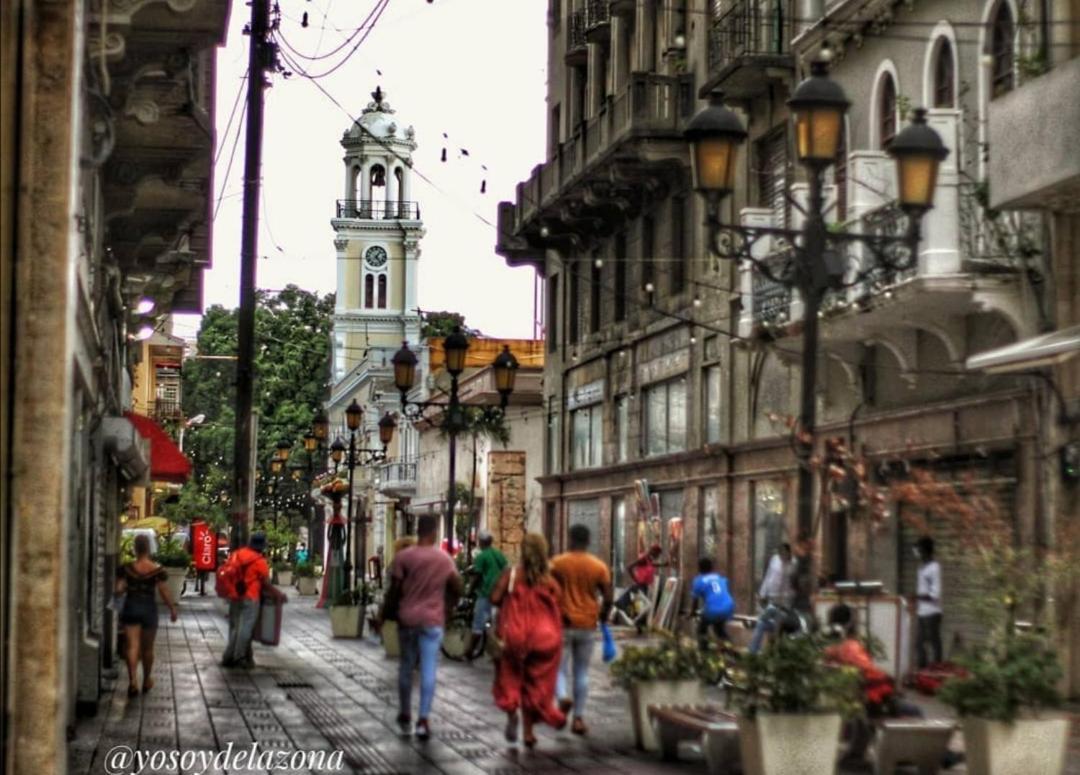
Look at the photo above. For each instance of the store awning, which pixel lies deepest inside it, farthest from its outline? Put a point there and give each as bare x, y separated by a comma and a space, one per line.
1031, 353
167, 462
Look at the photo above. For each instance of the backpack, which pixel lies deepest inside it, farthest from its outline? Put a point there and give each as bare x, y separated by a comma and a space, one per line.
230, 583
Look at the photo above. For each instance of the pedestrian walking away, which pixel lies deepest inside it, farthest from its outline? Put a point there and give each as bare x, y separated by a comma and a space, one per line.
488, 565
710, 589
424, 585
928, 604
137, 582
529, 628
243, 581
774, 596
585, 600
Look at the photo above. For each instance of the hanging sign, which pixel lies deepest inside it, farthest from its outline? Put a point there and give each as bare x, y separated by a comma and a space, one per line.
203, 546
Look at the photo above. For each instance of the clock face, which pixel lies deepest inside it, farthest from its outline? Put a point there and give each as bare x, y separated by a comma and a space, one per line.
375, 256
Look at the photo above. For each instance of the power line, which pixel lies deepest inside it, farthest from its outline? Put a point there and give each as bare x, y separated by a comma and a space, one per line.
380, 7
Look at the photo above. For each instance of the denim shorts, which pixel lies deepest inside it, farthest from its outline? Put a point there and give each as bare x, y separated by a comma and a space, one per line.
140, 612
481, 614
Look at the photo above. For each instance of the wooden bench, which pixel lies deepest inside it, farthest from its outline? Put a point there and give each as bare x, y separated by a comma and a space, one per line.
710, 725
914, 741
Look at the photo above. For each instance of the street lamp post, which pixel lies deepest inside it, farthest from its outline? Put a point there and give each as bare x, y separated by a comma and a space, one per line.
817, 259
456, 345
354, 415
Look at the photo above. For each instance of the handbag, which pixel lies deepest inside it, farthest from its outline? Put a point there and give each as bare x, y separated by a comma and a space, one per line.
495, 645
609, 642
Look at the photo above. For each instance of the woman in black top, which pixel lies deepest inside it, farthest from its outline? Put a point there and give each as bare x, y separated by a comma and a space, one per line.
139, 580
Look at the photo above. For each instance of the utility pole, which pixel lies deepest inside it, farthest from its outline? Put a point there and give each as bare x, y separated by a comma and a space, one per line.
260, 59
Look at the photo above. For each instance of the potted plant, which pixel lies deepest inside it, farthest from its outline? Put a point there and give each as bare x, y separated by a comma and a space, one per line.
668, 673
1005, 701
172, 556
791, 705
283, 573
305, 577
346, 612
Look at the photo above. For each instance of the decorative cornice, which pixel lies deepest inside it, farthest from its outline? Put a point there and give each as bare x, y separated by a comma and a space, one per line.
360, 317
393, 226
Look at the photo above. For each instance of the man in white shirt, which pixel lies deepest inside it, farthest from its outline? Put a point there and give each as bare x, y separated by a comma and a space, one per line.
928, 604
775, 593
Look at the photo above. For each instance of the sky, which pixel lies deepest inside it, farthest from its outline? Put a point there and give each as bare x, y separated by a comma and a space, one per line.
472, 69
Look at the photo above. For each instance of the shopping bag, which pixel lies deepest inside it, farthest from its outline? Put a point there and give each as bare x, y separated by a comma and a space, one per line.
268, 625
609, 642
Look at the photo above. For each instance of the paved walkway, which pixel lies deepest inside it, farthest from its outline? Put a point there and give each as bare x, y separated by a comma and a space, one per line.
314, 692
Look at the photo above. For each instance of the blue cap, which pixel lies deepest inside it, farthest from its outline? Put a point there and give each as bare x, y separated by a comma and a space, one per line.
258, 541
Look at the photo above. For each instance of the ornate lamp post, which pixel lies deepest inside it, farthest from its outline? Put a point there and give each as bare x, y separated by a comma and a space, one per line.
456, 346
354, 415
817, 260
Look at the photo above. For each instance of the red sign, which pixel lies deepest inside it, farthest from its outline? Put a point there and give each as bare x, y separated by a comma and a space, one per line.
203, 546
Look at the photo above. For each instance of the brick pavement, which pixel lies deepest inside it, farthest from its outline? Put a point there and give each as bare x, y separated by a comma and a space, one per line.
314, 692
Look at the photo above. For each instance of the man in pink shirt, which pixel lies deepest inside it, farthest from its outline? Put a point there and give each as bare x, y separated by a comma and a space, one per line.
423, 581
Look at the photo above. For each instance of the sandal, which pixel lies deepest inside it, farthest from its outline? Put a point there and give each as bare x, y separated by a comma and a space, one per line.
578, 727
133, 690
147, 685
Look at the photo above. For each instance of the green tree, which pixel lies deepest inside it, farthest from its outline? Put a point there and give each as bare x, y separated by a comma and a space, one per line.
292, 370
442, 323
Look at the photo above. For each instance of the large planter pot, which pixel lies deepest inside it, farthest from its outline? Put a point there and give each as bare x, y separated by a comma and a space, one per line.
1025, 745
284, 578
789, 744
345, 621
176, 581
306, 585
646, 693
390, 641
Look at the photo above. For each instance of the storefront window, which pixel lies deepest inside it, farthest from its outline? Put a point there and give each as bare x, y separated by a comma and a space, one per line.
587, 436
770, 523
665, 417
708, 526
587, 513
618, 536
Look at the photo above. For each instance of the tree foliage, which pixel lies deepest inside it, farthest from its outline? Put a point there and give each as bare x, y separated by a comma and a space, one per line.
443, 323
292, 369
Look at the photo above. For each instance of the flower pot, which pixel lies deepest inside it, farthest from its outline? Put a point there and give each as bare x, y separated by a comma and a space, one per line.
306, 585
789, 743
176, 581
645, 693
345, 621
284, 578
390, 639
1025, 745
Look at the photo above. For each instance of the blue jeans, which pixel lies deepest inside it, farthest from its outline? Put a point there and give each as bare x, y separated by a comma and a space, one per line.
765, 623
242, 616
481, 614
418, 644
577, 645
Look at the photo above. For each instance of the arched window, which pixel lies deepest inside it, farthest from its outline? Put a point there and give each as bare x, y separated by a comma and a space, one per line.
886, 111
944, 76
369, 291
1001, 50
382, 291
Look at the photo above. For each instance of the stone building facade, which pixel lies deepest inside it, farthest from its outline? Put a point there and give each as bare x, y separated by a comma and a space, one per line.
667, 365
108, 142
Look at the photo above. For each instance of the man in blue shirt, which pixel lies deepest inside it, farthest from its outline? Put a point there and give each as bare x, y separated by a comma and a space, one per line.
711, 590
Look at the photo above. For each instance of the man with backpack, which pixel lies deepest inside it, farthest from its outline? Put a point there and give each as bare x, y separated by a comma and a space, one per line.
242, 581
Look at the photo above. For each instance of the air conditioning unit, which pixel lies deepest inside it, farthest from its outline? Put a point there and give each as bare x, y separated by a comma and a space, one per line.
128, 449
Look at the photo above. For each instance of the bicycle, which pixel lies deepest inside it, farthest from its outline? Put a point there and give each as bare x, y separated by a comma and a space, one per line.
459, 630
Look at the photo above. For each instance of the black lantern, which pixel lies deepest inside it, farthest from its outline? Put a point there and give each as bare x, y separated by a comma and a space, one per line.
386, 429
282, 450
455, 346
320, 426
918, 151
337, 450
715, 135
354, 413
404, 362
818, 105
276, 465
505, 367
311, 442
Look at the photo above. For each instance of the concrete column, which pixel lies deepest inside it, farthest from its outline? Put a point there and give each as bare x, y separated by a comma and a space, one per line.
645, 29
412, 255
350, 180
391, 184
45, 249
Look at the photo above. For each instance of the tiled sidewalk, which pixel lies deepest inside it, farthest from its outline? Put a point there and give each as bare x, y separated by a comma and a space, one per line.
314, 692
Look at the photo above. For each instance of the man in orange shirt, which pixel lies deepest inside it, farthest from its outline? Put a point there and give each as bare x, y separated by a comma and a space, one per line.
244, 610
585, 599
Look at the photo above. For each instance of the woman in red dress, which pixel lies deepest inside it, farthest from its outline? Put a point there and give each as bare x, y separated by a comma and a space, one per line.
530, 628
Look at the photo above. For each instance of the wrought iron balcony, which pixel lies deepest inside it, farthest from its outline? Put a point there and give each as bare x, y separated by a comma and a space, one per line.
378, 209
748, 43
598, 20
577, 48
398, 477
164, 410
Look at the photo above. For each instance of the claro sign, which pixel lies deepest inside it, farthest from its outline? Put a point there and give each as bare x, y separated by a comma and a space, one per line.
204, 546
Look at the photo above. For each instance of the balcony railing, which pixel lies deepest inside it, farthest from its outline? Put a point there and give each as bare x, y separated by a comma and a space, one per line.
164, 410
577, 50
651, 105
378, 209
750, 28
398, 476
598, 20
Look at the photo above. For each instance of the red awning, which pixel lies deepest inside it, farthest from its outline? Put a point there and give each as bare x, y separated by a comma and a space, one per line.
167, 462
